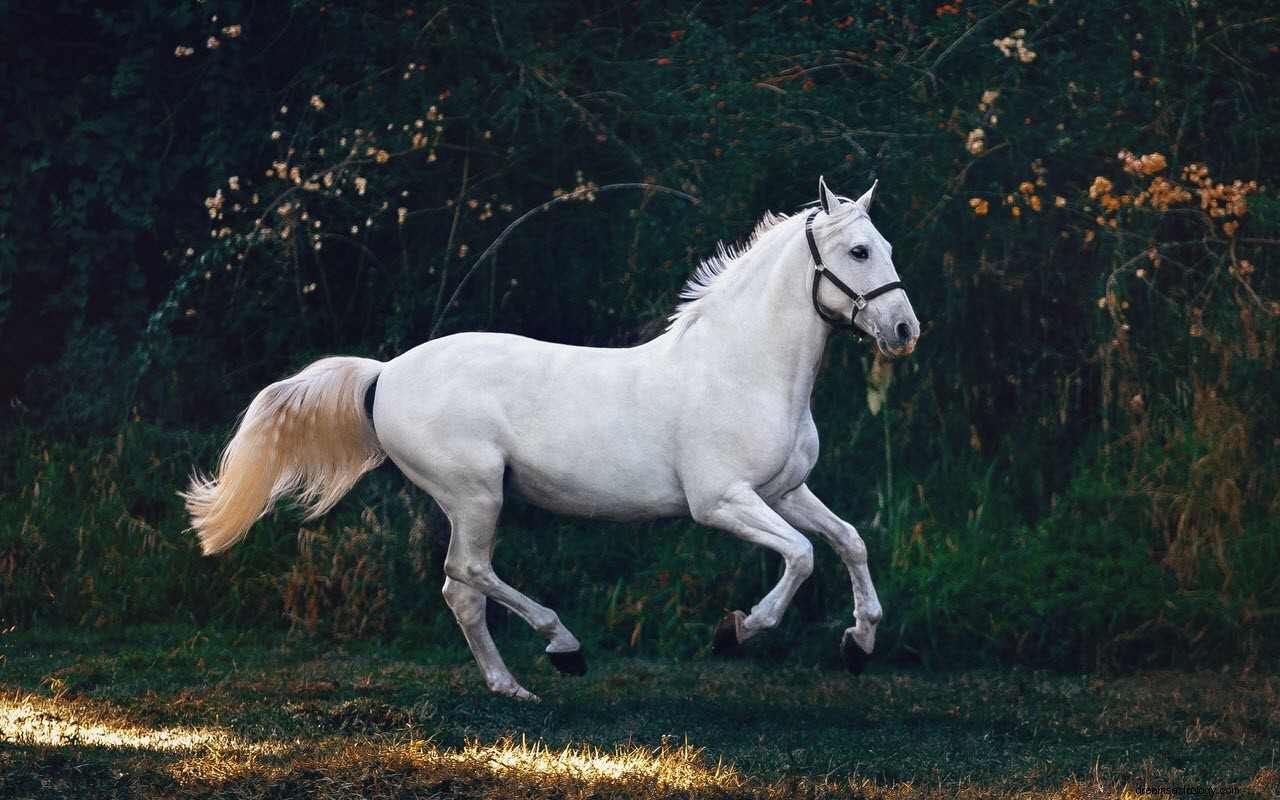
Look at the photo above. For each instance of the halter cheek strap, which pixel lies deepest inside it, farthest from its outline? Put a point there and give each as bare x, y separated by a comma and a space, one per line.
819, 272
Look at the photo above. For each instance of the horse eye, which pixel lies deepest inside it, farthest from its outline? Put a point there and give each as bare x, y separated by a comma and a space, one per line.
859, 252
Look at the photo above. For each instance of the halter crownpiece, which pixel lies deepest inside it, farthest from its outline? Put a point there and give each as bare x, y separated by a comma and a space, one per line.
820, 271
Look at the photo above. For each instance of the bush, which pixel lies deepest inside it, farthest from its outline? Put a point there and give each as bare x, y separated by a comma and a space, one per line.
1072, 469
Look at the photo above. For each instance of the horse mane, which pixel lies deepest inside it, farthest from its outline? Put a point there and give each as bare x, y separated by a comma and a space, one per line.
714, 270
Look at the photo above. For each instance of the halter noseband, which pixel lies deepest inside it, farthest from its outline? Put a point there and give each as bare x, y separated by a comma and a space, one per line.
819, 272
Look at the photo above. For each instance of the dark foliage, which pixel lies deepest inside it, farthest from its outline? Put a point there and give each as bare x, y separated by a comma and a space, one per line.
1077, 467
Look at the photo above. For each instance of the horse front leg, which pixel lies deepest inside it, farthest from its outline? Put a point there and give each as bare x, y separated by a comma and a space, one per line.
743, 513
801, 508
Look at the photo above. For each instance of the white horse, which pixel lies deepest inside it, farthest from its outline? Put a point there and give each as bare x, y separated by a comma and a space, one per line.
710, 419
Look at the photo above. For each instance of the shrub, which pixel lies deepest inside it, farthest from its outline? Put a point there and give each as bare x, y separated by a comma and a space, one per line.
1073, 468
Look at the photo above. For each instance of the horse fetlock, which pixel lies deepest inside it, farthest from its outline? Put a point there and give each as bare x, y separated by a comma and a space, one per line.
759, 619
521, 693
506, 686
547, 623
864, 634
563, 641
871, 615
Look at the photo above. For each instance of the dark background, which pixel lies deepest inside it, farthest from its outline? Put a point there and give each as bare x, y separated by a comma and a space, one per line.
1077, 467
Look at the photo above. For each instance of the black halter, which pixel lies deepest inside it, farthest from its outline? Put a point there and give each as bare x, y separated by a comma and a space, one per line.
819, 272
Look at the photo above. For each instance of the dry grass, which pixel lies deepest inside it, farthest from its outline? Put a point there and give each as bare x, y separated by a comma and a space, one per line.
217, 719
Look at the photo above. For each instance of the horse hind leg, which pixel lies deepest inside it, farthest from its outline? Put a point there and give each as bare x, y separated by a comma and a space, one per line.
468, 606
469, 562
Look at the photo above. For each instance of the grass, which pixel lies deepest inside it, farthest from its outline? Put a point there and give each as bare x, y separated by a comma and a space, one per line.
178, 713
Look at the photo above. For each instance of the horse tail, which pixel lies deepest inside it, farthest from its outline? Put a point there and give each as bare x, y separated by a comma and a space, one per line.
308, 434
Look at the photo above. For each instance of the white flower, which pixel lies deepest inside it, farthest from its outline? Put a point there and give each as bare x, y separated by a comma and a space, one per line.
976, 142
1015, 46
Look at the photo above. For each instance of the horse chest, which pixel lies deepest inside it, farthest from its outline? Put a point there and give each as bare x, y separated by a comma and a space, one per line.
774, 452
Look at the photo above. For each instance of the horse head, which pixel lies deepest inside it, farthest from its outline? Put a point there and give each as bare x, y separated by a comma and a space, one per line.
855, 283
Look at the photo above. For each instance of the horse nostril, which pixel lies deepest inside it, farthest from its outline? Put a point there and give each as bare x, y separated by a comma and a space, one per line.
904, 331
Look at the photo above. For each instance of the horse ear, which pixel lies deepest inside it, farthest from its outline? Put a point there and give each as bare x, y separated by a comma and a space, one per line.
826, 198
865, 200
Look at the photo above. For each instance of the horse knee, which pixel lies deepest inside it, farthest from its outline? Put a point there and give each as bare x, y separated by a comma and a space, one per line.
547, 624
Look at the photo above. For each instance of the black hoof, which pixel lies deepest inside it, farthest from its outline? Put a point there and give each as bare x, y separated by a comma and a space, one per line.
569, 662
855, 658
726, 637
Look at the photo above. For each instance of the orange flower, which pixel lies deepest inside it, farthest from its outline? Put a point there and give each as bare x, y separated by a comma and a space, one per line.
1142, 165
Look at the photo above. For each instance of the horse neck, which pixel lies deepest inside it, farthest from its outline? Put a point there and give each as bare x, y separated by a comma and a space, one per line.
762, 325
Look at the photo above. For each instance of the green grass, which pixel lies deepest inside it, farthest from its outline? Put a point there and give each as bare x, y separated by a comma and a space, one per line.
170, 712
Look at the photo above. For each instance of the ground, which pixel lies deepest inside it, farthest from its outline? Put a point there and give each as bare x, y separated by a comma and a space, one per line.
173, 713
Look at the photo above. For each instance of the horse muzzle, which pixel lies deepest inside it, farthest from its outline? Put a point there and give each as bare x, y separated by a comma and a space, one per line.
901, 338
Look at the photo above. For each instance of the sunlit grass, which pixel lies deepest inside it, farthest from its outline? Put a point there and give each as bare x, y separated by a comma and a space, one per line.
202, 753
213, 754
33, 720
680, 767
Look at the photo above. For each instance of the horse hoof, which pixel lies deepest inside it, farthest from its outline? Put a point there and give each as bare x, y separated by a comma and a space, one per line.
726, 636
855, 658
570, 662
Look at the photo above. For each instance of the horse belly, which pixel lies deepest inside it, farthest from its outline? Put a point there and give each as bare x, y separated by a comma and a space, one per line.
582, 431
593, 501
604, 483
